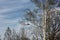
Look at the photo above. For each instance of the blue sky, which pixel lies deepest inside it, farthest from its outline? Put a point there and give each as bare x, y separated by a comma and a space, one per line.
11, 11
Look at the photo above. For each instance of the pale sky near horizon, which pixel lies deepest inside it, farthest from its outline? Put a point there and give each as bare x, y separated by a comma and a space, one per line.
11, 11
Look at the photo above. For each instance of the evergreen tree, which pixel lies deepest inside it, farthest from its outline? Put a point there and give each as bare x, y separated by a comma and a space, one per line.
14, 35
8, 34
0, 37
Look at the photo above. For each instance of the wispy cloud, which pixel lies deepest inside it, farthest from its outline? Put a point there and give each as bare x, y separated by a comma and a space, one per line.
11, 11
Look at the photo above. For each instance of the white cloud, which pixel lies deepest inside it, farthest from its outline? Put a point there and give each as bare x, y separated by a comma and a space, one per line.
1, 16
58, 8
4, 10
15, 0
25, 1
10, 9
9, 6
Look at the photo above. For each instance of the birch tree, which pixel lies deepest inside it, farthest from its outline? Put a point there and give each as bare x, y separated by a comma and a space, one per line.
45, 6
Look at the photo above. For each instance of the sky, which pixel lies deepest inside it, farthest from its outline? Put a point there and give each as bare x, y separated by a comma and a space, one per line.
11, 11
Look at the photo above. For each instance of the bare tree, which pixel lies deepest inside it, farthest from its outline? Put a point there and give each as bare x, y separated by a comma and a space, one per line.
53, 26
35, 20
23, 35
57, 36
33, 38
45, 6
